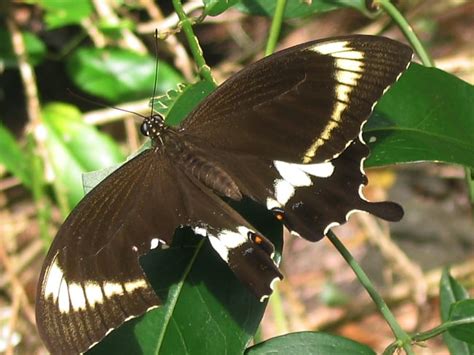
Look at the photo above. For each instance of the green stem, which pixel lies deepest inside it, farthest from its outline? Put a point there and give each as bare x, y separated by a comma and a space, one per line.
403, 339
407, 31
277, 310
203, 68
276, 26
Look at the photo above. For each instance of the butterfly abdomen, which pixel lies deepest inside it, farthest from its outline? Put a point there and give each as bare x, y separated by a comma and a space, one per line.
208, 172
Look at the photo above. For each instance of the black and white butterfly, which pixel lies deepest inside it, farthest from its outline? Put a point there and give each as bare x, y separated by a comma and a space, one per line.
285, 132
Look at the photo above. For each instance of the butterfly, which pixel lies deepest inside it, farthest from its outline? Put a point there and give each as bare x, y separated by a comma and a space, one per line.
284, 132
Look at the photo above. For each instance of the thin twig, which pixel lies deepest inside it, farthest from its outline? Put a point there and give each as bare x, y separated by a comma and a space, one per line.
168, 24
182, 61
108, 115
15, 309
99, 40
403, 265
22, 261
128, 38
17, 286
36, 141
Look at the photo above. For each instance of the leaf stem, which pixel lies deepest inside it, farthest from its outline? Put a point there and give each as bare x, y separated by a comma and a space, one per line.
277, 311
185, 22
276, 27
407, 30
403, 339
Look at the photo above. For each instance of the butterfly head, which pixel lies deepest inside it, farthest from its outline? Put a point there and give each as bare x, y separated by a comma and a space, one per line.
153, 126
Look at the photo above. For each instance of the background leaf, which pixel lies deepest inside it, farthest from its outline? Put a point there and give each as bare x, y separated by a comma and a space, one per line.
309, 343
74, 147
216, 7
463, 310
118, 74
450, 292
34, 47
427, 115
297, 8
13, 157
65, 12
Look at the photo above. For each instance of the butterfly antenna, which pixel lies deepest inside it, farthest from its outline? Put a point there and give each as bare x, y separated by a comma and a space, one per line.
72, 93
157, 66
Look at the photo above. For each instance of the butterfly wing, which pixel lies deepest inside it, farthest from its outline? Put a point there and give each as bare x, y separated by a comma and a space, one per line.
301, 105
91, 281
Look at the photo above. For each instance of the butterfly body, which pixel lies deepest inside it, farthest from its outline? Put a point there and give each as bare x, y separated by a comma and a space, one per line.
284, 132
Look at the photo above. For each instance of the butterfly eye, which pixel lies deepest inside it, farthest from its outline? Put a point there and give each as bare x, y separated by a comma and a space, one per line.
145, 129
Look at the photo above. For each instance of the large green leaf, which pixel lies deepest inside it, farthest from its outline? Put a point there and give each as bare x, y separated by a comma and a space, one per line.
206, 309
118, 74
75, 147
309, 343
297, 8
450, 292
35, 49
427, 115
65, 12
13, 157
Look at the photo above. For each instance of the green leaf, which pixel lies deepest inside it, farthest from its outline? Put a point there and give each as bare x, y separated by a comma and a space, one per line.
463, 311
13, 157
298, 8
427, 115
118, 74
216, 7
65, 12
35, 49
206, 309
178, 103
74, 147
309, 343
450, 292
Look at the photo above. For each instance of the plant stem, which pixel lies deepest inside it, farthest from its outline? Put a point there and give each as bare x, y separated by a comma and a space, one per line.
277, 310
407, 31
36, 144
275, 299
403, 339
203, 68
276, 26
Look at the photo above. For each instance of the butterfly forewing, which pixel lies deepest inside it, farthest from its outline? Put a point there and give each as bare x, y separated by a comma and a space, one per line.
303, 104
